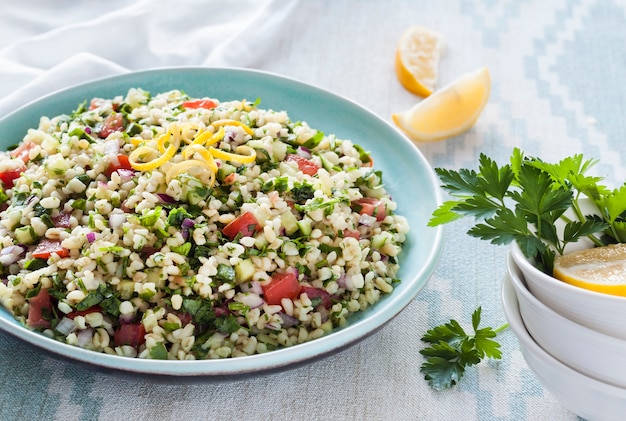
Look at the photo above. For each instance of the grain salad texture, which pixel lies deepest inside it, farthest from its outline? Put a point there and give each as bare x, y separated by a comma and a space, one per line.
168, 227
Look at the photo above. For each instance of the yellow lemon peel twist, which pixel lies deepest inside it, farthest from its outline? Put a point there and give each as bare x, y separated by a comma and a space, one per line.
199, 144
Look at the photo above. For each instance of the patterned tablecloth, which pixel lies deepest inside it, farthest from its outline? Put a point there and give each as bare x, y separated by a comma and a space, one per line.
557, 72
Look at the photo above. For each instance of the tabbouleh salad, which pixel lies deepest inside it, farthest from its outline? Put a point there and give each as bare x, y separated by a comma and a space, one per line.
170, 227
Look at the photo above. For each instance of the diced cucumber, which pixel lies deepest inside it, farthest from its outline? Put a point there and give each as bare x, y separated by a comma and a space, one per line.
289, 222
25, 235
304, 225
126, 289
225, 170
244, 270
279, 150
328, 166
378, 241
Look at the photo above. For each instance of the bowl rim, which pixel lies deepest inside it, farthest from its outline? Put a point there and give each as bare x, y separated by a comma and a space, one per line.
280, 358
525, 266
517, 279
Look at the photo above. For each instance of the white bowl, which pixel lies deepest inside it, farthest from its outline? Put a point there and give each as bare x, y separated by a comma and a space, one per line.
601, 312
583, 395
590, 352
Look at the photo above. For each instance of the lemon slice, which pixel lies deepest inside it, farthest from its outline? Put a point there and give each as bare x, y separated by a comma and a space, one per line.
417, 60
600, 269
448, 112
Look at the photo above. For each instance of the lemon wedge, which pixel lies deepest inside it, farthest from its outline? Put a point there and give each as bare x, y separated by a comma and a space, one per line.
448, 112
417, 59
600, 269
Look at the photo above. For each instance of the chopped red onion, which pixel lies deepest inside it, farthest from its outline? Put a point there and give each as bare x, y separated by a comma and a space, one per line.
304, 152
253, 287
125, 175
324, 313
84, 337
11, 254
166, 198
294, 270
341, 281
367, 220
87, 129
91, 237
187, 223
66, 326
288, 320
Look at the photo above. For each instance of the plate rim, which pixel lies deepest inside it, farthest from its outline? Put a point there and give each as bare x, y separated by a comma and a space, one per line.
280, 358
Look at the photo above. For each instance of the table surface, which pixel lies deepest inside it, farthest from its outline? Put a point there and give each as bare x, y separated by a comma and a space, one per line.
557, 84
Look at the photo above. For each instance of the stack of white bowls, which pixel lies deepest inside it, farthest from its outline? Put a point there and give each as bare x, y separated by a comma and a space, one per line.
574, 340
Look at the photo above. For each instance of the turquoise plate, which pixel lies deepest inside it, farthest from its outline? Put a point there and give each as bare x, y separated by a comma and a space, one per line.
406, 174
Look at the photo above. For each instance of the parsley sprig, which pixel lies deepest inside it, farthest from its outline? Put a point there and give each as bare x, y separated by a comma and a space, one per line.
451, 350
523, 200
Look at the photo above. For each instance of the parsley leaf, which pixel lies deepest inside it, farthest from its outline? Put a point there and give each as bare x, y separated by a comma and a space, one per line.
451, 350
522, 201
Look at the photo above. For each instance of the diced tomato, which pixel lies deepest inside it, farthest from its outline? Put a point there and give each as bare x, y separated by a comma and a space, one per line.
370, 206
8, 177
132, 334
229, 179
323, 295
62, 220
118, 163
246, 224
305, 165
23, 151
351, 233
95, 103
46, 247
92, 309
200, 103
282, 285
37, 305
113, 123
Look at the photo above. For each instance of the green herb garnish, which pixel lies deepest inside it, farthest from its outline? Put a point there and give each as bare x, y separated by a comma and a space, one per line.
522, 201
451, 350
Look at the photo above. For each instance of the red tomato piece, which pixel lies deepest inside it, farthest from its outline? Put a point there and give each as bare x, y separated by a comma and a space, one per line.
95, 103
322, 294
119, 162
246, 224
282, 285
23, 151
370, 206
132, 334
8, 177
351, 233
46, 247
305, 165
199, 103
229, 179
92, 309
37, 305
113, 123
